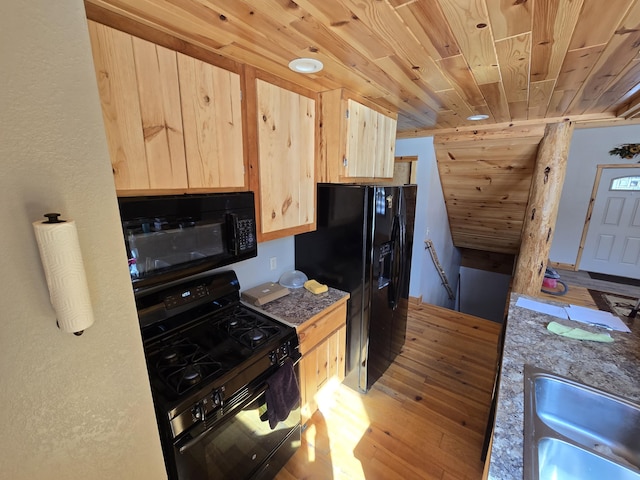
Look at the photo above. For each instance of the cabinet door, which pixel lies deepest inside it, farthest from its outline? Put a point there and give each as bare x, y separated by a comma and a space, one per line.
337, 352
308, 386
361, 140
385, 146
116, 75
286, 160
212, 118
370, 142
139, 95
159, 92
325, 361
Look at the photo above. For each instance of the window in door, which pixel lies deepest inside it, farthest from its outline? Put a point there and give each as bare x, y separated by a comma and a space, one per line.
625, 184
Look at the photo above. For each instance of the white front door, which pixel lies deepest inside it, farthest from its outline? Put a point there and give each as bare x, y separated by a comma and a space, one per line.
612, 244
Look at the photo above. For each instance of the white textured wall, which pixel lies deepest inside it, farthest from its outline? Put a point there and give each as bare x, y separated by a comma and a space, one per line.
589, 148
431, 215
256, 271
72, 407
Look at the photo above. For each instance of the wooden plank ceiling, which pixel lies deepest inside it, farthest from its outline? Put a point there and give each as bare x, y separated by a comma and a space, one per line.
435, 62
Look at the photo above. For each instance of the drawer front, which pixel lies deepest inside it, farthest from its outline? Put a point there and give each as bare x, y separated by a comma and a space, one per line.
311, 334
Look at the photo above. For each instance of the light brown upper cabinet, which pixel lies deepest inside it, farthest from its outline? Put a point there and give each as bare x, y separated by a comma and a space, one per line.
173, 123
212, 118
283, 122
358, 139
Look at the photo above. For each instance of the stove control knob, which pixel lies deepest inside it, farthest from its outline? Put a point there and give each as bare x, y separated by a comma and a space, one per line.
285, 350
273, 357
216, 398
198, 412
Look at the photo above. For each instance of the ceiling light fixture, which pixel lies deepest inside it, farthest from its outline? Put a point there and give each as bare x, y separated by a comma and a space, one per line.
306, 65
478, 117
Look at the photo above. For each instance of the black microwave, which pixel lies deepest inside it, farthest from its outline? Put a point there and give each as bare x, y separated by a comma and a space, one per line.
174, 236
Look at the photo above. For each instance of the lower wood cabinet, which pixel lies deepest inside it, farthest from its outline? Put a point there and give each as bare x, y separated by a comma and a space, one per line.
322, 344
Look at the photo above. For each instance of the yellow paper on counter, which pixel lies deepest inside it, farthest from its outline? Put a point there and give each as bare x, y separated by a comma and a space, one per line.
578, 333
315, 287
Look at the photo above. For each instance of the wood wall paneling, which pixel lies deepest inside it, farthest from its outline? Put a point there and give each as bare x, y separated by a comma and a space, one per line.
485, 181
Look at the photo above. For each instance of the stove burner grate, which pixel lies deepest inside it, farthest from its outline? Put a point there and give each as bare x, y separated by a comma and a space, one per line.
184, 364
248, 328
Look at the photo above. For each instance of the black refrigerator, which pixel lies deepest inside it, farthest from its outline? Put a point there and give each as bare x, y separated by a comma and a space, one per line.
362, 245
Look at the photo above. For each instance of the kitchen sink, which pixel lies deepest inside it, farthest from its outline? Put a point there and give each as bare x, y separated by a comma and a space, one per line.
558, 460
574, 431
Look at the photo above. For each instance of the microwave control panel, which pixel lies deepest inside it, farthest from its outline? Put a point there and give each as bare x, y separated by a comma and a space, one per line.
246, 234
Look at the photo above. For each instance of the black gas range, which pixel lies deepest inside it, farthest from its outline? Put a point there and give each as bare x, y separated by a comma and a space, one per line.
209, 359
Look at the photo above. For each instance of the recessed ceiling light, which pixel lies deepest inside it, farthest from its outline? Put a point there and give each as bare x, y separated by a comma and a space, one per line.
306, 65
475, 118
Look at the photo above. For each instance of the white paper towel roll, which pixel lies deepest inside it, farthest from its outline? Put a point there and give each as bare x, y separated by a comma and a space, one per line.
62, 261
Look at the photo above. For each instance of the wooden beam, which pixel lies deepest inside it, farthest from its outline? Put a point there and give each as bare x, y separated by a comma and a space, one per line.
409, 158
630, 109
542, 208
590, 120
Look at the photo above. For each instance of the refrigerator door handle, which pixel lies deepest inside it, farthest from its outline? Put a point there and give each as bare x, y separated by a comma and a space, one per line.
396, 261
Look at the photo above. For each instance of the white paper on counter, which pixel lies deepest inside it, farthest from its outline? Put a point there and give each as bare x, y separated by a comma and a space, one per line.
596, 317
541, 307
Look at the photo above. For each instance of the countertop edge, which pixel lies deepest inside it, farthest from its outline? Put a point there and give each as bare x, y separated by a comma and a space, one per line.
301, 306
613, 367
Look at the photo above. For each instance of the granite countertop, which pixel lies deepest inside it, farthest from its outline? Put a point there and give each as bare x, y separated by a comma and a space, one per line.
301, 305
614, 367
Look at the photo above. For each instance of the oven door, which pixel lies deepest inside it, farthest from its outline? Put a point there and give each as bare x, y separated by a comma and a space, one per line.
242, 447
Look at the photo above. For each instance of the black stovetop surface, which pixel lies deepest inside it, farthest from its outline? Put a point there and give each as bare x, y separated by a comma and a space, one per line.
190, 359
198, 338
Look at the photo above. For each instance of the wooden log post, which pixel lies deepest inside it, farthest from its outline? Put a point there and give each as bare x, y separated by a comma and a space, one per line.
542, 208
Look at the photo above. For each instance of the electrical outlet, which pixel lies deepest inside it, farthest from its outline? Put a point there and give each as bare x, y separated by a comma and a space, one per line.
273, 263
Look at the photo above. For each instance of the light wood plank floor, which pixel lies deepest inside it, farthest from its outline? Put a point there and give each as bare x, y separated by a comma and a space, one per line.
424, 419
579, 294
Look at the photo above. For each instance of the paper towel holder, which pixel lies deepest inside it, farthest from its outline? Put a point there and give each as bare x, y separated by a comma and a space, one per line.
55, 218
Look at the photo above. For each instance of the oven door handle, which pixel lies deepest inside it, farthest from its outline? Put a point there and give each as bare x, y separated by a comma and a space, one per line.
190, 443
